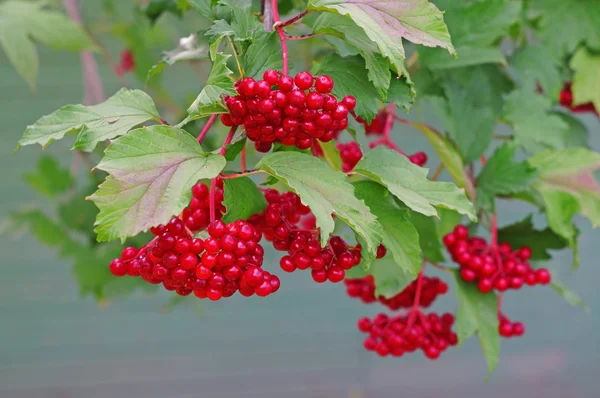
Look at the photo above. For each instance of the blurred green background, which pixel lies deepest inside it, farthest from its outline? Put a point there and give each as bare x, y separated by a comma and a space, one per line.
301, 342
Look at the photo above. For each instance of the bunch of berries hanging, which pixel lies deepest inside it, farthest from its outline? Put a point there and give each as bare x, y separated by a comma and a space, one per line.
292, 111
492, 267
364, 289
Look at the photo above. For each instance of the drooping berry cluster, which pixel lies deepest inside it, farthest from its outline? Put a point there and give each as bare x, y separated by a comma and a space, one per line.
493, 267
279, 224
508, 329
566, 100
229, 260
377, 125
364, 288
329, 263
283, 212
350, 154
406, 333
292, 111
197, 215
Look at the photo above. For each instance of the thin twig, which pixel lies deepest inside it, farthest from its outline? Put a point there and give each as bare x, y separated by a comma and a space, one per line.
302, 37
206, 127
437, 172
284, 50
292, 20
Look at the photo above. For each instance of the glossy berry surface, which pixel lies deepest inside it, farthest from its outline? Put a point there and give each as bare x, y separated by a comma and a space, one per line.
492, 267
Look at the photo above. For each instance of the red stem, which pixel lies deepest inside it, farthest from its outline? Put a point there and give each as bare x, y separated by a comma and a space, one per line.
277, 20
389, 122
302, 37
415, 308
213, 182
206, 127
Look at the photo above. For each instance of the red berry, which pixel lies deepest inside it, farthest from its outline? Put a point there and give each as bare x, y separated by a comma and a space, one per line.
304, 80
324, 84
349, 101
271, 77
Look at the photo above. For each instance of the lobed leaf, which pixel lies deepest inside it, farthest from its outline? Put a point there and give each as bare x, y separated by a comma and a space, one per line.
92, 124
387, 22
586, 79
523, 233
210, 100
477, 313
50, 179
152, 171
410, 185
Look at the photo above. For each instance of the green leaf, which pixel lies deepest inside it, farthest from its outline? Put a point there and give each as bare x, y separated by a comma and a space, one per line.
469, 115
430, 241
331, 154
502, 175
326, 191
378, 67
264, 53
387, 23
239, 28
409, 183
190, 48
564, 24
448, 220
77, 213
242, 199
219, 83
434, 58
481, 23
234, 149
155, 8
399, 235
402, 92
567, 185
539, 64
21, 22
534, 128
50, 179
577, 136
570, 296
586, 79
44, 228
350, 78
477, 313
448, 155
112, 118
523, 233
152, 171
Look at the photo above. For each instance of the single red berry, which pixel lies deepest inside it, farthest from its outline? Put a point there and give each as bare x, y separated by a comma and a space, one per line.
286, 83
271, 77
324, 84
349, 101
304, 80
118, 267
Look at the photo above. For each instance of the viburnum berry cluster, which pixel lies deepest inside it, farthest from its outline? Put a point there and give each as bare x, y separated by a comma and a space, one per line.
280, 223
492, 266
364, 289
396, 336
292, 111
508, 329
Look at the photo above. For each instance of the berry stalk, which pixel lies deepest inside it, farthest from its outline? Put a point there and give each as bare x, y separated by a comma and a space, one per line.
277, 24
206, 127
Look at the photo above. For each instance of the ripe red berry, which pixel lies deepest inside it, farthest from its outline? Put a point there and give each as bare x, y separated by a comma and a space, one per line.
324, 84
349, 101
304, 80
271, 77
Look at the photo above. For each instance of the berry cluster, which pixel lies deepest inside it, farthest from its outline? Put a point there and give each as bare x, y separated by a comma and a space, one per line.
508, 329
566, 100
292, 111
197, 215
406, 333
364, 288
279, 224
350, 154
493, 267
329, 263
228, 261
377, 125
